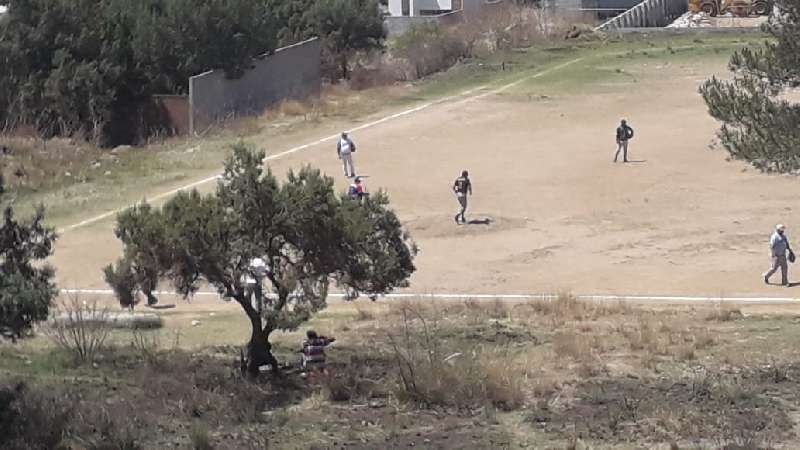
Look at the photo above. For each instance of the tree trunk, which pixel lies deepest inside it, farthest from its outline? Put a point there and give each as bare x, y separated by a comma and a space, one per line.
343, 63
259, 350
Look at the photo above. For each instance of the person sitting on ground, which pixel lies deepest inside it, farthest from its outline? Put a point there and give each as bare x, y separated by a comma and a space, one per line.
357, 190
314, 351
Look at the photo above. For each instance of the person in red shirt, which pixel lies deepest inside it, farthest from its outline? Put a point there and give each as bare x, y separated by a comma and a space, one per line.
357, 190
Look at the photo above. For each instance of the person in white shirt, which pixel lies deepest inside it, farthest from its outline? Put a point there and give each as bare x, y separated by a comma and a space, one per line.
345, 148
778, 246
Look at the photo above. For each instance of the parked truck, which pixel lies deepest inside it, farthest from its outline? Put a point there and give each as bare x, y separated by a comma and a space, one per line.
739, 8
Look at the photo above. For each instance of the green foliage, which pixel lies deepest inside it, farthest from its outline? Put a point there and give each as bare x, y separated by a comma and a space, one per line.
759, 126
146, 254
26, 286
85, 67
347, 26
307, 235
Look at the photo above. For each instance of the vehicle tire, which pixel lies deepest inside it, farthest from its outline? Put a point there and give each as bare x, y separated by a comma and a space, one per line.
760, 8
709, 9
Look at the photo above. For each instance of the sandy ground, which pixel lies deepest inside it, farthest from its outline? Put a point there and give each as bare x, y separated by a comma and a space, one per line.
679, 219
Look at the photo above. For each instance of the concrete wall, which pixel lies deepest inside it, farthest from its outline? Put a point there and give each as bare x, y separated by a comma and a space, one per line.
650, 13
290, 72
172, 113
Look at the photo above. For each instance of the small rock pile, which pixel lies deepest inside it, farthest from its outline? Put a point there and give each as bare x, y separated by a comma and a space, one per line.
691, 20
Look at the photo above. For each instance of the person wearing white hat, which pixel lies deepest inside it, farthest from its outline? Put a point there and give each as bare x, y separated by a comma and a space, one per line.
345, 148
778, 246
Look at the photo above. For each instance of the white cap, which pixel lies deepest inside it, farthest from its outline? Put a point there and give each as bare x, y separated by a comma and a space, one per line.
780, 226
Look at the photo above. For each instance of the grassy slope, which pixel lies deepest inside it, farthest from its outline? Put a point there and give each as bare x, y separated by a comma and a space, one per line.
535, 375
134, 174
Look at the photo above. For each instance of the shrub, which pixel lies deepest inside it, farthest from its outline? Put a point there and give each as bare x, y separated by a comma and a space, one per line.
32, 418
201, 440
80, 328
429, 48
428, 376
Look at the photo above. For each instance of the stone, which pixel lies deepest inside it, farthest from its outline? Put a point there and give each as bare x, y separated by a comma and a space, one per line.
195, 323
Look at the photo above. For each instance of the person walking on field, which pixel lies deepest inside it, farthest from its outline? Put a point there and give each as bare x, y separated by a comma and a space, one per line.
624, 134
778, 247
345, 149
462, 186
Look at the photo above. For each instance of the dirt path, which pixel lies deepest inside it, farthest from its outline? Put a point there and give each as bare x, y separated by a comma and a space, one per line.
680, 220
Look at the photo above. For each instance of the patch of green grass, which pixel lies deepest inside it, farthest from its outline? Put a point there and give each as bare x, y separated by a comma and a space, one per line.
615, 65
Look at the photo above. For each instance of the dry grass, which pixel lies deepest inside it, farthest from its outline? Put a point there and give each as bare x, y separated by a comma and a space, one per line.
571, 345
723, 312
364, 314
81, 328
431, 373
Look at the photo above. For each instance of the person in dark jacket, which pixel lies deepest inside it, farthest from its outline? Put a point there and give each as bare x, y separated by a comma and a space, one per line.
462, 186
624, 134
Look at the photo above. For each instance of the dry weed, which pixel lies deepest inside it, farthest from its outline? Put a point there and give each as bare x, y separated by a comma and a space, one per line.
430, 375
363, 314
684, 353
703, 339
723, 312
571, 345
81, 328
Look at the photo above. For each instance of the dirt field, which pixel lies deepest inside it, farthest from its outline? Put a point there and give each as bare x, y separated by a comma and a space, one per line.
552, 213
679, 219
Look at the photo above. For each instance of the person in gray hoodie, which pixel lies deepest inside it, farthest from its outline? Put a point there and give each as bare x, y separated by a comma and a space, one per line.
778, 246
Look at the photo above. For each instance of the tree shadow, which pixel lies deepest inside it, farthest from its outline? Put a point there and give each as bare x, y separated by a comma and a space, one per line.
168, 306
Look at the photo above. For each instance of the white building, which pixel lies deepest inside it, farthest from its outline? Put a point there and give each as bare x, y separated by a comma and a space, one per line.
422, 8
415, 8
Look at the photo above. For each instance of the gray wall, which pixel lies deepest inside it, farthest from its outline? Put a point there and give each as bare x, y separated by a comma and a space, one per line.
292, 72
650, 13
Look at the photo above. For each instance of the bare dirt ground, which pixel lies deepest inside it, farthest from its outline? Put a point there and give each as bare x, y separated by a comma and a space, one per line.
678, 219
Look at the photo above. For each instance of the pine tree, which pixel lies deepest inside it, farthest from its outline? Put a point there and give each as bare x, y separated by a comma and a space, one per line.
26, 285
759, 125
305, 234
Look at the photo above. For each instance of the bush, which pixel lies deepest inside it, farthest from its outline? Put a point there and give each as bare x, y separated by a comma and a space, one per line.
428, 376
31, 418
429, 48
201, 440
81, 328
